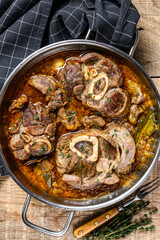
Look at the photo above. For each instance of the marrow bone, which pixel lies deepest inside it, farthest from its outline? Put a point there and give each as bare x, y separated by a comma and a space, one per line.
92, 84
93, 140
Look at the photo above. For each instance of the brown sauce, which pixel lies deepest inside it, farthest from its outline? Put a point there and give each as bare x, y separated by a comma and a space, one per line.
32, 172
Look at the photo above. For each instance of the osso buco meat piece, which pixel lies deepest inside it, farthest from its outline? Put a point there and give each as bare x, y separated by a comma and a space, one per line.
95, 62
99, 88
92, 157
44, 83
36, 133
71, 75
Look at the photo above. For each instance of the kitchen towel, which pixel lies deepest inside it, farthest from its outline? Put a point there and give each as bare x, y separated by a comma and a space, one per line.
26, 26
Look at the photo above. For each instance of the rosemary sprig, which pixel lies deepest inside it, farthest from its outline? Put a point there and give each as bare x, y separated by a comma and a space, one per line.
124, 224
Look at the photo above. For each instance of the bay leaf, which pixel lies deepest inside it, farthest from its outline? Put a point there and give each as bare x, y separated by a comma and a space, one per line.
47, 178
145, 126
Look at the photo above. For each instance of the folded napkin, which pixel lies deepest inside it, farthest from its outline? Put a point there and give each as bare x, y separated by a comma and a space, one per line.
26, 26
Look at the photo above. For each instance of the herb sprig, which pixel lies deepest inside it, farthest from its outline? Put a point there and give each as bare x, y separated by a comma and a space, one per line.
123, 224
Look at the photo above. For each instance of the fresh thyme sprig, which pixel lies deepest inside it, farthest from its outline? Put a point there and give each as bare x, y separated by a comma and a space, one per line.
124, 224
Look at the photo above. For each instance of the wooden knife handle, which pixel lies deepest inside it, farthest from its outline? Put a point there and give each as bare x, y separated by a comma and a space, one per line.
94, 223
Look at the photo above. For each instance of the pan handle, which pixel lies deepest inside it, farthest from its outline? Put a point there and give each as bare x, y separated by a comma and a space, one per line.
41, 229
133, 48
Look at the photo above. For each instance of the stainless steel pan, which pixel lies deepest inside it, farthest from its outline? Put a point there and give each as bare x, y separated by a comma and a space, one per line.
75, 205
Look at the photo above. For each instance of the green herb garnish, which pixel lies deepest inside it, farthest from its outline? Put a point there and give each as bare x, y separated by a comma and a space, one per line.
86, 151
49, 89
36, 117
61, 153
69, 116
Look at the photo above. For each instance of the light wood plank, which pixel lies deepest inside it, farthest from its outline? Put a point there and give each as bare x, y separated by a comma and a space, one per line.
147, 7
148, 49
157, 83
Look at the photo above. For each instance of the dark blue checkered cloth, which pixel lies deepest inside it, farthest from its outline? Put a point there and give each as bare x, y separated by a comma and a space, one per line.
27, 25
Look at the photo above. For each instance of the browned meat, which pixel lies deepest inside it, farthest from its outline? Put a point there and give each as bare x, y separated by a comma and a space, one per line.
68, 118
84, 162
66, 160
139, 98
78, 90
93, 121
17, 142
88, 158
90, 77
71, 74
21, 154
122, 137
38, 147
135, 112
45, 84
35, 129
37, 132
71, 178
28, 115
130, 127
46, 117
115, 104
58, 100
102, 64
100, 75
108, 151
112, 179
18, 103
50, 129
34, 114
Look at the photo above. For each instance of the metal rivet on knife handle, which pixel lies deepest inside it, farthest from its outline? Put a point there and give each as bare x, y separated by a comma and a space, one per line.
80, 232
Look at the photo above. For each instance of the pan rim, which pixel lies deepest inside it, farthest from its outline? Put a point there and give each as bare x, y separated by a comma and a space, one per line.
91, 43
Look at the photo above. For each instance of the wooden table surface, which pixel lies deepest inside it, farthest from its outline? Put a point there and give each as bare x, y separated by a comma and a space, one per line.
12, 196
